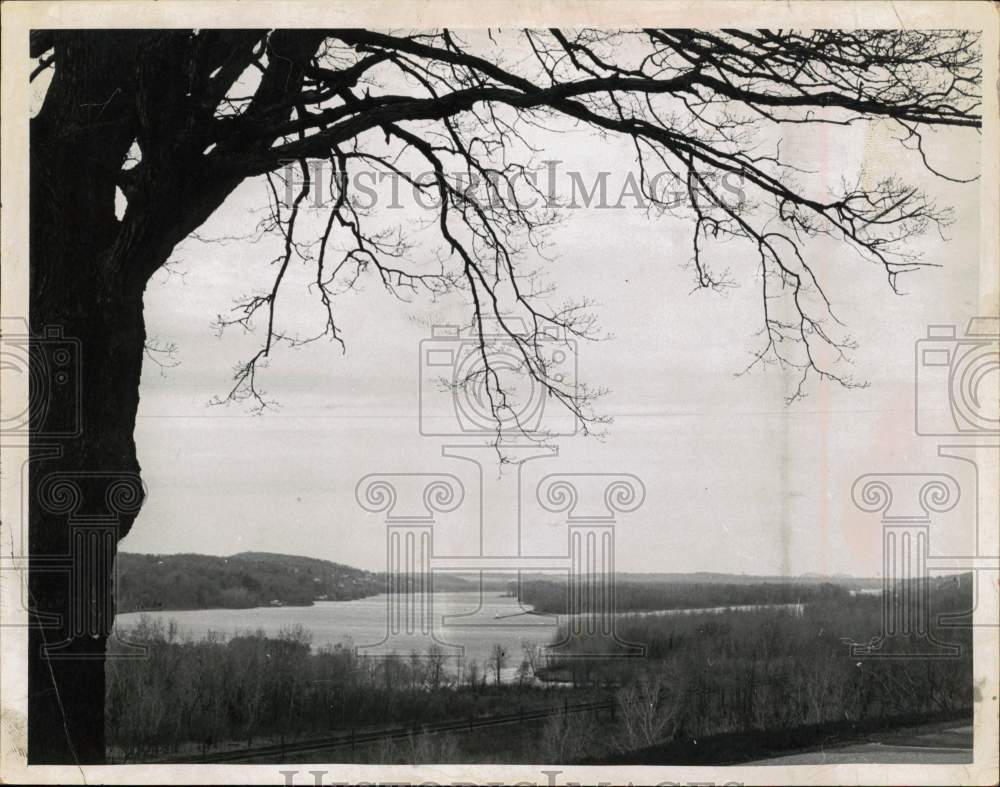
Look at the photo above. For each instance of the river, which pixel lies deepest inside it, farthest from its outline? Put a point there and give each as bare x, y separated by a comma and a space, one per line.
364, 622
500, 621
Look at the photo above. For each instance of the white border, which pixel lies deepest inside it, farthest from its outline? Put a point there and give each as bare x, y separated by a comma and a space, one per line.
18, 18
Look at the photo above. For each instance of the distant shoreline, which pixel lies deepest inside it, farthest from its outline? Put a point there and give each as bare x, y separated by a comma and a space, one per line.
155, 583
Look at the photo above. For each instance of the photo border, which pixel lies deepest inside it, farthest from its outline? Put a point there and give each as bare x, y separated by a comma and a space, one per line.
18, 18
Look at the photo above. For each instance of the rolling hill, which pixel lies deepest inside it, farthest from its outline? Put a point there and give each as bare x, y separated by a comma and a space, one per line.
247, 579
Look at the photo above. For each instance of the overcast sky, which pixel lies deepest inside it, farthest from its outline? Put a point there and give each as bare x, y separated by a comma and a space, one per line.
736, 480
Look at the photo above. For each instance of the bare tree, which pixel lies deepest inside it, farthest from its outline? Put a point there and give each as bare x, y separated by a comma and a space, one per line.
436, 672
175, 120
472, 675
568, 736
497, 661
524, 673
648, 709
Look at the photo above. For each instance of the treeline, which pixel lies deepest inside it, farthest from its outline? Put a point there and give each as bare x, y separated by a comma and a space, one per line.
712, 673
715, 577
189, 696
553, 597
248, 579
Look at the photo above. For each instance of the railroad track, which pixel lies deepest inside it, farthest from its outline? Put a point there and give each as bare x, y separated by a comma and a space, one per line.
352, 739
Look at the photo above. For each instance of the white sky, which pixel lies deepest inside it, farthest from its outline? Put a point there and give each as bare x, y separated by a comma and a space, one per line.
736, 480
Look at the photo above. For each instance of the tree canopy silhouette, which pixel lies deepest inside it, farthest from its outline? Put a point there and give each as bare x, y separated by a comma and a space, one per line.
177, 119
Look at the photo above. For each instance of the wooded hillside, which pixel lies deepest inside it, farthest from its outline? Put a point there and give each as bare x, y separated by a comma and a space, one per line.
248, 579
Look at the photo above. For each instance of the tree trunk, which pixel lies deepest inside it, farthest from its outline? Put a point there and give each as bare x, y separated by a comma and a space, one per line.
88, 336
88, 271
84, 493
87, 344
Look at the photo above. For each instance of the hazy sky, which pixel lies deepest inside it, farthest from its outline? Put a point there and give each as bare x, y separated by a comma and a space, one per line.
736, 480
